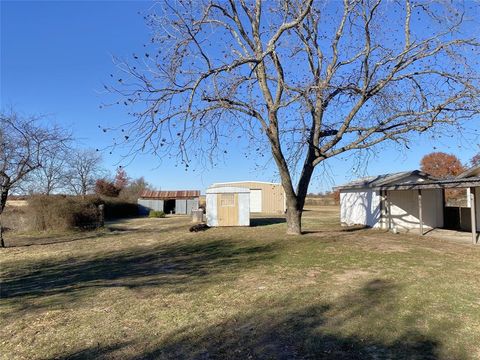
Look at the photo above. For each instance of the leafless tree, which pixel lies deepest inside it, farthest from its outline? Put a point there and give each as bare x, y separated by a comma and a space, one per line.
308, 80
50, 177
24, 143
84, 168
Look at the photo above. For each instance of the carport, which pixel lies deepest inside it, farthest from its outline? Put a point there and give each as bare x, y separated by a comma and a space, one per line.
409, 200
387, 192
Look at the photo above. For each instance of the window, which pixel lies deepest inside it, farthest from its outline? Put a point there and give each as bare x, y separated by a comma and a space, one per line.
227, 200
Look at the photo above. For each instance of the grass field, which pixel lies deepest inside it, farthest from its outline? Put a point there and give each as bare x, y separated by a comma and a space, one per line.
151, 289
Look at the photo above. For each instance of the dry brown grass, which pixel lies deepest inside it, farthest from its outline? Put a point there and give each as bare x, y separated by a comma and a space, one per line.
151, 289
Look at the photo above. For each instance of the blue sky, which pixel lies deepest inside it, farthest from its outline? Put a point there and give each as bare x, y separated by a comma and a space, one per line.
56, 56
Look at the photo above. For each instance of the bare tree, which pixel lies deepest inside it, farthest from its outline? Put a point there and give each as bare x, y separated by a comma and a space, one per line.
51, 175
308, 80
24, 143
84, 168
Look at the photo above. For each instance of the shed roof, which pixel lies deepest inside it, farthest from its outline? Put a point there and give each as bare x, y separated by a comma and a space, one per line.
170, 194
413, 180
371, 182
472, 172
437, 184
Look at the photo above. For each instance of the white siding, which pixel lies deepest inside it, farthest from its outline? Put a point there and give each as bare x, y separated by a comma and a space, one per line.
244, 209
255, 200
404, 212
360, 207
211, 206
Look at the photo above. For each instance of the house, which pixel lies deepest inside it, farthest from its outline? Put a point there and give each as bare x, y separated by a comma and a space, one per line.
406, 200
265, 197
170, 202
228, 206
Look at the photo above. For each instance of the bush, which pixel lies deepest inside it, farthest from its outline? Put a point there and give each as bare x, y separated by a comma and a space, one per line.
62, 212
156, 214
118, 209
106, 188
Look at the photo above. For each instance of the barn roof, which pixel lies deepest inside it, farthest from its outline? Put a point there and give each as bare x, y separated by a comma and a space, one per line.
170, 194
232, 183
370, 182
227, 189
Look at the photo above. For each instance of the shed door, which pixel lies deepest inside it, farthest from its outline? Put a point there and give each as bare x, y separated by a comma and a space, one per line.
227, 209
255, 200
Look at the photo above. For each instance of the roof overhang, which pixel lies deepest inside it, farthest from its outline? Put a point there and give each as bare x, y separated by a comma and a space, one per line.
472, 172
439, 184
377, 182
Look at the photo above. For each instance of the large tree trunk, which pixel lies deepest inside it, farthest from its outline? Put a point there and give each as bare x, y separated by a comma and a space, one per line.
295, 201
3, 202
294, 216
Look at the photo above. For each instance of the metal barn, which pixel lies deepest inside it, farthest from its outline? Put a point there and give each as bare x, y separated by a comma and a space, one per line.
228, 206
180, 202
265, 197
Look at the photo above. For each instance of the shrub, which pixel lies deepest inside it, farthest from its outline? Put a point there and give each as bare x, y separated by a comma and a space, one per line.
118, 209
156, 214
106, 188
62, 212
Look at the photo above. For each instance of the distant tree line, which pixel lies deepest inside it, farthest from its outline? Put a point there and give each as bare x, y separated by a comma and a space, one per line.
37, 157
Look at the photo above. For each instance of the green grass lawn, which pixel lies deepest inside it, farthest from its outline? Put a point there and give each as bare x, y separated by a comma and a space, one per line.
151, 289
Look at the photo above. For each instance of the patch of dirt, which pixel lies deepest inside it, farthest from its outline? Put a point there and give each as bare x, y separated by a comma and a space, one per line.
349, 275
387, 247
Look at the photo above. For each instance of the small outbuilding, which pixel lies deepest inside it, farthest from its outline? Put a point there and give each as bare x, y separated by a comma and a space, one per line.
265, 197
407, 200
228, 206
180, 202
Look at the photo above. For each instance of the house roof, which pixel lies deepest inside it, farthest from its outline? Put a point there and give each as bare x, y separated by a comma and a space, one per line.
170, 194
385, 179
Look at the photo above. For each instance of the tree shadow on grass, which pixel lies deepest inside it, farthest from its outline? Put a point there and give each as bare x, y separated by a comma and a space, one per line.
113, 229
178, 265
353, 327
266, 221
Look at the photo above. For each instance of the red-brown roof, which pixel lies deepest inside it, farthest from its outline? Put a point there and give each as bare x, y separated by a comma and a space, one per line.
176, 194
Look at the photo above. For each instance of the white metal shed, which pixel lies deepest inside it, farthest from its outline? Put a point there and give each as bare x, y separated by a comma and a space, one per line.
228, 206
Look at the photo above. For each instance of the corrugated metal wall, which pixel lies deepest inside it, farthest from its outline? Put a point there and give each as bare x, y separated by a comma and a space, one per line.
192, 204
273, 196
145, 205
182, 206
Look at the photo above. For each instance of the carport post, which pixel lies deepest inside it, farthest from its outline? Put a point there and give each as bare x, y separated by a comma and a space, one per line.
473, 215
420, 212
